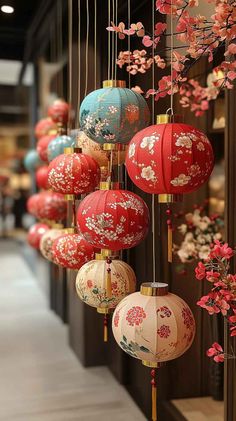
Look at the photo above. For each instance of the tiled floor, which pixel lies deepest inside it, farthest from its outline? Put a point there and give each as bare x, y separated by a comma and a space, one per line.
40, 378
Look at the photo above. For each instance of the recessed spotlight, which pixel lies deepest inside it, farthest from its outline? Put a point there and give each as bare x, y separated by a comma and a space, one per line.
7, 9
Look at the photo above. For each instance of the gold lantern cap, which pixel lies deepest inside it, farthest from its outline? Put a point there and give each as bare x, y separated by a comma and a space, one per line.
69, 230
105, 253
154, 289
56, 225
114, 147
112, 83
169, 118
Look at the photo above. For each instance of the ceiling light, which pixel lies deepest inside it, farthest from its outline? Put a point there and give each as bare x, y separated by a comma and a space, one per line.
7, 9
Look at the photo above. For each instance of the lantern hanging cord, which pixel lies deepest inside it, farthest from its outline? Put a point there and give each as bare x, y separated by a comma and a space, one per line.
70, 23
116, 20
79, 64
153, 64
129, 46
86, 49
109, 42
171, 58
113, 41
95, 44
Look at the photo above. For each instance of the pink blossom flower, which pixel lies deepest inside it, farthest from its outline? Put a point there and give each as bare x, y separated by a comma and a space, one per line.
221, 251
212, 276
216, 351
200, 271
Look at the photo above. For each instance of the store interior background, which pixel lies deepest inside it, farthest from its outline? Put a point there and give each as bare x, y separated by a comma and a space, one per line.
33, 72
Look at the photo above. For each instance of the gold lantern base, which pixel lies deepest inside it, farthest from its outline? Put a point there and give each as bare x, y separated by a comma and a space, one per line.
118, 147
70, 150
69, 230
153, 364
170, 198
104, 310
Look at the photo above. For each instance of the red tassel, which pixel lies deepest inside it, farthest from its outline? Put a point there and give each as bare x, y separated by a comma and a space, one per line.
169, 236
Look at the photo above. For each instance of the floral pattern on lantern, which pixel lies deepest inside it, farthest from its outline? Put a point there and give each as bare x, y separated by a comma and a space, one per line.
41, 177
51, 206
72, 251
57, 145
35, 234
113, 115
44, 127
73, 173
113, 219
47, 240
42, 146
169, 159
95, 150
59, 111
153, 328
91, 283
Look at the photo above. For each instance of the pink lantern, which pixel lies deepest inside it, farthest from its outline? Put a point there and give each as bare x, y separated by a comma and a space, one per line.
42, 146
59, 111
41, 177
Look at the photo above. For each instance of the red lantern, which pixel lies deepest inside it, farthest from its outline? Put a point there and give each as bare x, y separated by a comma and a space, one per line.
72, 251
113, 219
169, 159
59, 111
44, 127
35, 234
51, 206
73, 173
32, 204
41, 176
42, 146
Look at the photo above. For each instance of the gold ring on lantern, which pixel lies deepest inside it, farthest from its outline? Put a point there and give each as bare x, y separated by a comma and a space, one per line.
112, 83
169, 118
152, 364
70, 150
56, 225
104, 310
106, 185
170, 198
69, 197
69, 230
114, 147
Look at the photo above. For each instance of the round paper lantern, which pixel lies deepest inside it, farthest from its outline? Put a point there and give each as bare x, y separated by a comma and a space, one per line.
47, 240
113, 114
169, 159
72, 251
113, 219
153, 325
104, 283
93, 149
41, 177
42, 146
32, 204
56, 146
59, 111
44, 127
73, 173
32, 160
35, 234
51, 206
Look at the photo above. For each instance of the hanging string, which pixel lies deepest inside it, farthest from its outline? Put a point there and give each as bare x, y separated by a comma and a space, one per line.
70, 24
171, 58
116, 39
129, 22
154, 394
95, 44
86, 49
153, 121
60, 47
113, 41
109, 42
79, 64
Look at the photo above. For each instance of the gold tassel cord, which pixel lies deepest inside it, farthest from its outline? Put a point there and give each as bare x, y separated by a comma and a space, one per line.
154, 395
105, 323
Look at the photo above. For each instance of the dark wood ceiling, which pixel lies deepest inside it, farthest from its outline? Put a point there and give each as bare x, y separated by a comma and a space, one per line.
13, 27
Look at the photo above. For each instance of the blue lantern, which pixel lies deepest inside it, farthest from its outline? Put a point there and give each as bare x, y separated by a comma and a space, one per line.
57, 145
113, 114
32, 160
